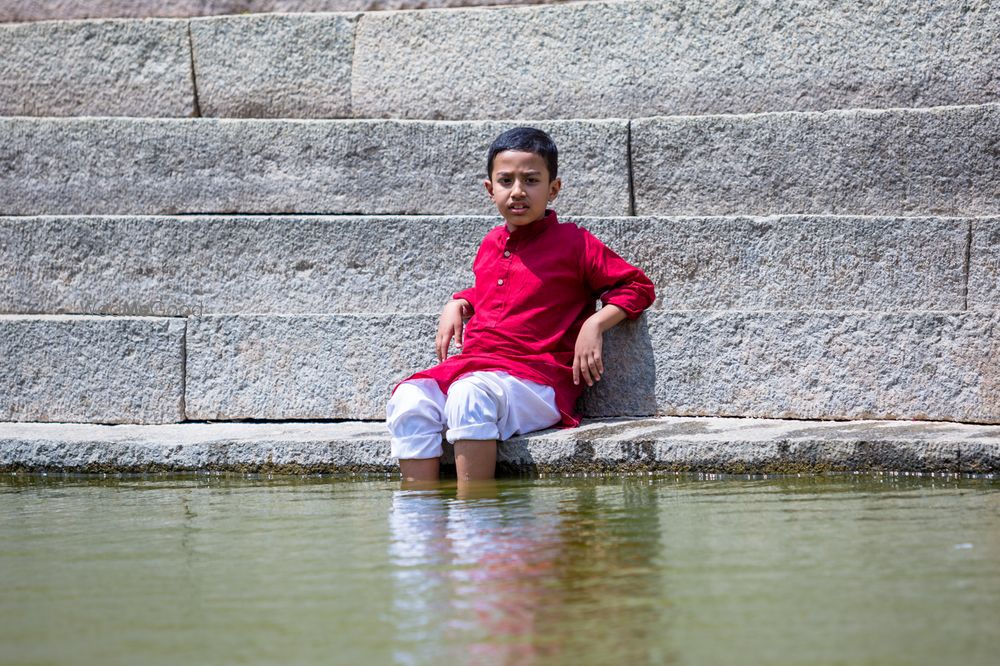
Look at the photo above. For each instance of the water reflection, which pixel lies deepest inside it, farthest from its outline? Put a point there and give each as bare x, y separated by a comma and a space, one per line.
524, 574
848, 569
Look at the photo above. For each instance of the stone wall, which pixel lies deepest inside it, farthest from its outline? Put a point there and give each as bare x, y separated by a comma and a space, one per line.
258, 217
578, 60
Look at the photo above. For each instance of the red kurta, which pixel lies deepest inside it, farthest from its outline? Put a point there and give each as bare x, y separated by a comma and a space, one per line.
534, 288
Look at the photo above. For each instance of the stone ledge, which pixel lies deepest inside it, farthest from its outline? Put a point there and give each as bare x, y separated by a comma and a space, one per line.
778, 364
137, 166
711, 57
96, 68
274, 65
32, 10
720, 445
170, 266
984, 265
928, 161
651, 57
91, 369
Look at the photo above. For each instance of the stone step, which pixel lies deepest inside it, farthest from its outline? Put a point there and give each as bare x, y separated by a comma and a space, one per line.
840, 365
153, 166
577, 60
103, 68
939, 161
92, 369
814, 365
710, 445
183, 266
943, 161
32, 10
274, 65
631, 59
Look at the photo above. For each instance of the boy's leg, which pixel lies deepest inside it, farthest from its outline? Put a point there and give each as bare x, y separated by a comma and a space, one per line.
531, 406
483, 407
475, 459
415, 419
471, 411
420, 469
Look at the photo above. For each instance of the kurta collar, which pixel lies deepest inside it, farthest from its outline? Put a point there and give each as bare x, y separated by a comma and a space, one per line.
533, 229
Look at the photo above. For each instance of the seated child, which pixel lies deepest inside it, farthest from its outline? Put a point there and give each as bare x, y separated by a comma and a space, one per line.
533, 330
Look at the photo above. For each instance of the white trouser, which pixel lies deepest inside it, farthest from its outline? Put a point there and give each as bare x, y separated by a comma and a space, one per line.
480, 405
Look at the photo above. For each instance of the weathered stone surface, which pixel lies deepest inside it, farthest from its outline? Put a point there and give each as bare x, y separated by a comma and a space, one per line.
211, 264
32, 10
941, 161
620, 445
287, 447
757, 446
302, 367
631, 59
843, 365
138, 166
984, 265
344, 264
96, 68
91, 369
795, 262
274, 66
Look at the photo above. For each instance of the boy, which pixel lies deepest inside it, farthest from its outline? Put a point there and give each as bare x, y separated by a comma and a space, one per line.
533, 337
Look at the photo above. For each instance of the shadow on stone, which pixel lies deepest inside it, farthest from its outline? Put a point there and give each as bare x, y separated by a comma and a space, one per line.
628, 387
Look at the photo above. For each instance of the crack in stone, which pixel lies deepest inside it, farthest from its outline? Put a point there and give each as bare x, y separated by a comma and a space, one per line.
196, 113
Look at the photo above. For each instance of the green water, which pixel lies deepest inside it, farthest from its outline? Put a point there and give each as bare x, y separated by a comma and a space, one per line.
216, 570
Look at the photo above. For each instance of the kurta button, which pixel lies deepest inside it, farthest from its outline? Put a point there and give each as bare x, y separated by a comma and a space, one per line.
500, 281
506, 253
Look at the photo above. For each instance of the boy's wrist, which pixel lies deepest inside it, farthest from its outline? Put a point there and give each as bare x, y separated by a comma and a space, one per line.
607, 317
463, 305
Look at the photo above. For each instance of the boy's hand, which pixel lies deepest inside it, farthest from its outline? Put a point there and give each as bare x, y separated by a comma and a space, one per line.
587, 360
450, 326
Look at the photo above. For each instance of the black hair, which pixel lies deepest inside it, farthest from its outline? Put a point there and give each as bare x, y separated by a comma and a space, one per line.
529, 140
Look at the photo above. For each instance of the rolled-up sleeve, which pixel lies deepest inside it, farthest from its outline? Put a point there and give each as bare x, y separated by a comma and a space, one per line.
469, 295
614, 280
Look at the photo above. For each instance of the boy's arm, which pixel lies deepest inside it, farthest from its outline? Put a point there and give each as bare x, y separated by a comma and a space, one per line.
452, 322
617, 281
625, 292
467, 295
455, 312
451, 325
588, 364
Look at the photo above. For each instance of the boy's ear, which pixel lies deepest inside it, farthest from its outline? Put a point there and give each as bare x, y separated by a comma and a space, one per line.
489, 187
554, 188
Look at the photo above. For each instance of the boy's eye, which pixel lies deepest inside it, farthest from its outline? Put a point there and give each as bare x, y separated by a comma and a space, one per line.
506, 181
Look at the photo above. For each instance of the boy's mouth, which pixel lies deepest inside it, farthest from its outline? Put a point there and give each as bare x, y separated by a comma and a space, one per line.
518, 207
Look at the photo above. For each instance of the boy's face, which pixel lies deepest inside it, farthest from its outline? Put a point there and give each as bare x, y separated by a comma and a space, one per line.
520, 187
